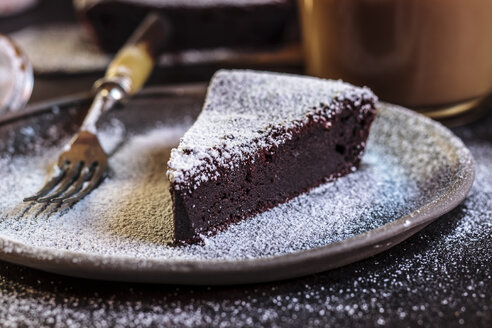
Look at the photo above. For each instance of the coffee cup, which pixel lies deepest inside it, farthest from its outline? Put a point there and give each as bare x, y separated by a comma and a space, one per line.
430, 55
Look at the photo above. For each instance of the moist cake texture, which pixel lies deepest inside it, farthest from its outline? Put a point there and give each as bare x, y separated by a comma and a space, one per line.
262, 139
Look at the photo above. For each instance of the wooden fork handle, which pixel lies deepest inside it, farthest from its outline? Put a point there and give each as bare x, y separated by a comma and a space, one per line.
129, 69
133, 64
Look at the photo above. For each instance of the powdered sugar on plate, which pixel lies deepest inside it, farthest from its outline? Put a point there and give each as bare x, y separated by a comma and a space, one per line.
129, 215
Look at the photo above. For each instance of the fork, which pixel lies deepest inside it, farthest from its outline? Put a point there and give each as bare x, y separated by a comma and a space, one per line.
83, 162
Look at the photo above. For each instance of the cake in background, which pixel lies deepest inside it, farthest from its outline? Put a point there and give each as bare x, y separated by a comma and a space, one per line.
195, 24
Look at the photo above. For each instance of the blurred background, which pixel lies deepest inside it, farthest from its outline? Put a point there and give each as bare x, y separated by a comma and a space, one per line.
440, 277
70, 43
428, 56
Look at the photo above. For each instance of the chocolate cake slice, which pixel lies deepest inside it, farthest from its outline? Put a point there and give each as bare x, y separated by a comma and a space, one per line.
195, 24
262, 139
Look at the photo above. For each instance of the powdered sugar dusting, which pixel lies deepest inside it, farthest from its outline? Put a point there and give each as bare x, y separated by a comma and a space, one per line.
130, 213
242, 111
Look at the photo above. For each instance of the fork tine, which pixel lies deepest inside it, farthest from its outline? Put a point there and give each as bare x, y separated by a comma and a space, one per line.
48, 185
94, 181
77, 186
72, 175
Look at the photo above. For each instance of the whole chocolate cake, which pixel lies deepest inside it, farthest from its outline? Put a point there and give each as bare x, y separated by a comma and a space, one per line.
195, 24
262, 139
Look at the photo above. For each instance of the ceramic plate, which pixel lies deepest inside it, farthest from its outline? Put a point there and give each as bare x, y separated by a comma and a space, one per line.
413, 171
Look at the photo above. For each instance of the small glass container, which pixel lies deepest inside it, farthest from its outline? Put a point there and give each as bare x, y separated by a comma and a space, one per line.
16, 76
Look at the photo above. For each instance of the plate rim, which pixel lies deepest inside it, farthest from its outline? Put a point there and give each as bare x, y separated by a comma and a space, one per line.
242, 271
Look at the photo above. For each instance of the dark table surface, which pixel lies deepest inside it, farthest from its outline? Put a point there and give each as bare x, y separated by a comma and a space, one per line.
441, 277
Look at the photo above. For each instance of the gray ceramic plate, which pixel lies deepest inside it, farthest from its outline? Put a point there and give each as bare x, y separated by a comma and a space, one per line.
414, 171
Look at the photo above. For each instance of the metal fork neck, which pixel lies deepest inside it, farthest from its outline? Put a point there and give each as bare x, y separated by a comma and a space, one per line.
109, 92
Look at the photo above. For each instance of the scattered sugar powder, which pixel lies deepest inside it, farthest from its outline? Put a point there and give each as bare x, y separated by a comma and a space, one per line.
441, 277
130, 214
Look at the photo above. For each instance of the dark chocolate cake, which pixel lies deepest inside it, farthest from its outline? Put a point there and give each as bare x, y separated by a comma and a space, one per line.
195, 24
262, 139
